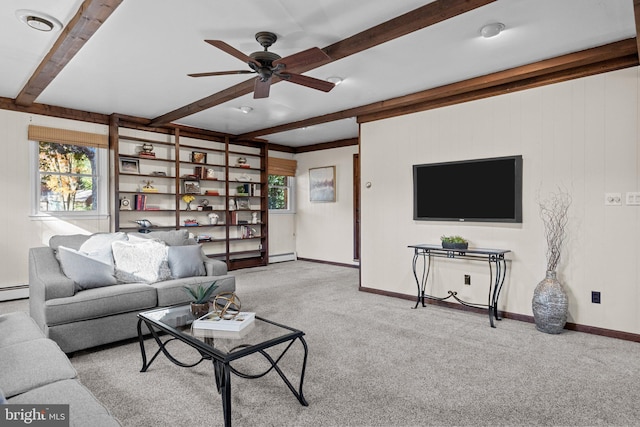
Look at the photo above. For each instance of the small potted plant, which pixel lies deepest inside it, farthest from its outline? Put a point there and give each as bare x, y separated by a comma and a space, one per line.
188, 198
200, 296
454, 242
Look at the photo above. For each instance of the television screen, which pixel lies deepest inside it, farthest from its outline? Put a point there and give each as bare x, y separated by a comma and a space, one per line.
471, 190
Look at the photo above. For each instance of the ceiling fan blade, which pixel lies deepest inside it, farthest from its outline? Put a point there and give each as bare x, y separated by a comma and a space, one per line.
232, 51
220, 73
305, 58
261, 88
307, 81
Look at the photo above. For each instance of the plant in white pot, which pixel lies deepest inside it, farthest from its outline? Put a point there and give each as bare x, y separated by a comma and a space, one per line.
550, 303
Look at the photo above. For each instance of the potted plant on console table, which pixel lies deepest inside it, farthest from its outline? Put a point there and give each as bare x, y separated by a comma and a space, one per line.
200, 296
454, 242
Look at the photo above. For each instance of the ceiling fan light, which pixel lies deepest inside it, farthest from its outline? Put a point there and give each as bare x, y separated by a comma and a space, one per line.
335, 80
245, 109
492, 30
38, 20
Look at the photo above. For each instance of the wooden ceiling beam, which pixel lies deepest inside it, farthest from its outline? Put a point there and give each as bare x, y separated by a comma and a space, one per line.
606, 58
636, 12
432, 13
90, 16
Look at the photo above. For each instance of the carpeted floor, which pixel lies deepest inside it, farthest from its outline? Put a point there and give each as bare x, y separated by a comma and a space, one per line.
373, 361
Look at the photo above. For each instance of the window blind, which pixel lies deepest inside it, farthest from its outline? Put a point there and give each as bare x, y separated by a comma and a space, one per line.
284, 167
64, 136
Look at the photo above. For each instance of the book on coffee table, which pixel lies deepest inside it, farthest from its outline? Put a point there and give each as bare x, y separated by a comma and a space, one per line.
214, 322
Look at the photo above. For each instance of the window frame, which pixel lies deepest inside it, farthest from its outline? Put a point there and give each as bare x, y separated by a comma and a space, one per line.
291, 190
102, 173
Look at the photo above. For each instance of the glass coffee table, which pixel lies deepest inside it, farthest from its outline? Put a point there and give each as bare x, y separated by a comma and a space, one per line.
222, 347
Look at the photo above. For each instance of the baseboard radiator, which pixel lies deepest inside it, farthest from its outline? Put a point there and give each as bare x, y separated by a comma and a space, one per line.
8, 293
291, 256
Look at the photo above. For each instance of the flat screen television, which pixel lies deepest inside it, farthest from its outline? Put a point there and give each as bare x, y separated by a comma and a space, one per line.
488, 190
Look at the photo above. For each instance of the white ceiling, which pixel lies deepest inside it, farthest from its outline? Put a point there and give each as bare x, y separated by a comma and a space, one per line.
137, 62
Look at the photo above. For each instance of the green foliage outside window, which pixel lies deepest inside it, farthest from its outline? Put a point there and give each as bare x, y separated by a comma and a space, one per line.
68, 180
278, 192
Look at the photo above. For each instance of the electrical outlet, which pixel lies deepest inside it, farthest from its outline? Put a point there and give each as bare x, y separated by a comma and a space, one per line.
467, 279
613, 199
595, 297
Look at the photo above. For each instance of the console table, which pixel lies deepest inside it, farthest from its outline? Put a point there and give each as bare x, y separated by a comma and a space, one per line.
497, 272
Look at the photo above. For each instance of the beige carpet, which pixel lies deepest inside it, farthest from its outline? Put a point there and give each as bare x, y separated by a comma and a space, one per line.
373, 361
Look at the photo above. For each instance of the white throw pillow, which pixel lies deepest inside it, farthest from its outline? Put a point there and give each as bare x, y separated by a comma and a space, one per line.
98, 246
85, 271
136, 262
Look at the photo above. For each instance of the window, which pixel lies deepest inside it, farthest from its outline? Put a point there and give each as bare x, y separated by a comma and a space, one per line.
281, 193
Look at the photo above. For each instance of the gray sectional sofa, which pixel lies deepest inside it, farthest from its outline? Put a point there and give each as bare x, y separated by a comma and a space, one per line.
34, 371
80, 301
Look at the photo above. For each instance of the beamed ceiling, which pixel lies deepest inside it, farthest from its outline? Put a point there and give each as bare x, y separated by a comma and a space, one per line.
132, 59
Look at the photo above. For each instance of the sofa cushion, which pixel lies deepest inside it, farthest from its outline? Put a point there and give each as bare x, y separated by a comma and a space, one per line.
84, 408
18, 327
171, 292
85, 271
140, 262
186, 261
170, 237
98, 246
73, 241
100, 302
27, 365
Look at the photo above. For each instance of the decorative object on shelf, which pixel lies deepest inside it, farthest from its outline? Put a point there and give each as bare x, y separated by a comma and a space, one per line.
144, 224
125, 204
129, 166
211, 174
200, 298
454, 242
254, 217
242, 162
226, 305
198, 157
203, 238
550, 303
242, 190
147, 151
211, 193
191, 222
148, 188
213, 218
244, 177
158, 173
191, 187
232, 204
188, 198
242, 203
204, 204
322, 184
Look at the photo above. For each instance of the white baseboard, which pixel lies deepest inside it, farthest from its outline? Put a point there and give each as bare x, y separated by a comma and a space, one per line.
283, 257
14, 292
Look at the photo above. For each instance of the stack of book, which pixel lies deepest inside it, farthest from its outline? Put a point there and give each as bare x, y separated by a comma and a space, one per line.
214, 322
147, 154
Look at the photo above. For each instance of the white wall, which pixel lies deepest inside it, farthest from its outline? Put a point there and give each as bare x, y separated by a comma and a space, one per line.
581, 135
19, 231
324, 231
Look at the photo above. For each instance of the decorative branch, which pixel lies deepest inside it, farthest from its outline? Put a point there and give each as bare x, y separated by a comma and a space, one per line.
553, 212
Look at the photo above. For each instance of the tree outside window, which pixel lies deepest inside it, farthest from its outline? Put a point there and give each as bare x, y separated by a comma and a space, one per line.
68, 177
280, 192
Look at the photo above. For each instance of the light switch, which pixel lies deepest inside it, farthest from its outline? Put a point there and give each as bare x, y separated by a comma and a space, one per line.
633, 198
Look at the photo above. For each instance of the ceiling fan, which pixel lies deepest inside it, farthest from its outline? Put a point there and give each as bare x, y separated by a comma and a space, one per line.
268, 64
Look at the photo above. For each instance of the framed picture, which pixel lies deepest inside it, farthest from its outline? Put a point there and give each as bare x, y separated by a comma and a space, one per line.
129, 166
198, 157
191, 187
242, 203
322, 184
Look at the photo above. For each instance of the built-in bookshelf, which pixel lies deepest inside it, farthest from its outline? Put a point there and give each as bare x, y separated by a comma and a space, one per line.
214, 188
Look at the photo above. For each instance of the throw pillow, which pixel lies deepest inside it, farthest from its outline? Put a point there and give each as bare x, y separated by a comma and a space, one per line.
186, 261
86, 272
171, 237
98, 246
137, 262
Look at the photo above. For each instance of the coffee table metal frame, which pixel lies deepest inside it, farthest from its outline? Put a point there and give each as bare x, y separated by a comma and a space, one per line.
222, 360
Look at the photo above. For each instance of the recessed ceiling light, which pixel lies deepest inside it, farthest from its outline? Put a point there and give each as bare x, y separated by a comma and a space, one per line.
335, 80
38, 20
491, 30
245, 109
